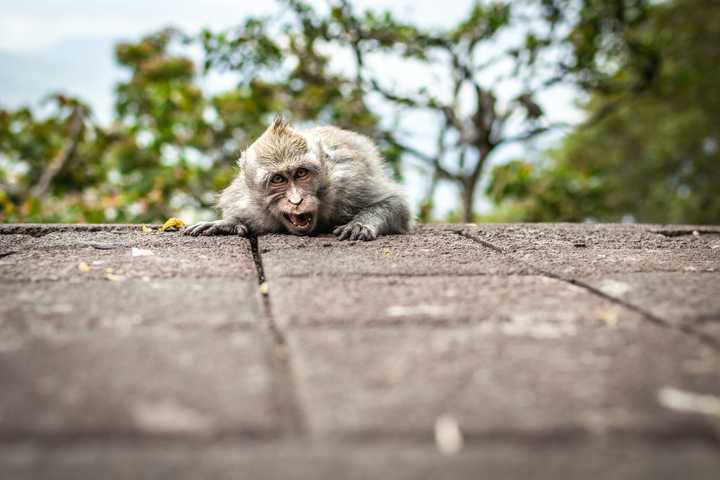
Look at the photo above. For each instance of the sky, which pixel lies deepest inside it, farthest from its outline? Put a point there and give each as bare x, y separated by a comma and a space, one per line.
67, 46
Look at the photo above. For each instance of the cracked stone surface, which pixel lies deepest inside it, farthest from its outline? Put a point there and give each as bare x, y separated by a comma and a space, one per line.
136, 384
536, 301
597, 460
431, 250
593, 350
535, 376
580, 250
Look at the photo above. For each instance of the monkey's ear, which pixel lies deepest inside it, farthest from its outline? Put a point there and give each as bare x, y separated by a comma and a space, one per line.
322, 152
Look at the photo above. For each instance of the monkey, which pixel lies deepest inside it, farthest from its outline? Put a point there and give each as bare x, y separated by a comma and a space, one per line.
325, 179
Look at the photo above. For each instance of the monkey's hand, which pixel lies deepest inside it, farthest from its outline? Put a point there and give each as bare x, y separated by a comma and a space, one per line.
355, 231
218, 227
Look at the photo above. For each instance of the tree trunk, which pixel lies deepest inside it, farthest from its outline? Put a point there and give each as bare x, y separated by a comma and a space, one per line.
467, 198
42, 187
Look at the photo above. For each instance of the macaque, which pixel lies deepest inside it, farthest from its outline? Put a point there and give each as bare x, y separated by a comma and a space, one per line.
310, 182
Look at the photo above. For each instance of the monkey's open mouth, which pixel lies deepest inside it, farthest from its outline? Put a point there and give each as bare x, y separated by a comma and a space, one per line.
301, 221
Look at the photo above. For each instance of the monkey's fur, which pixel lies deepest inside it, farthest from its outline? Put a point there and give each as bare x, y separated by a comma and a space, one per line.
322, 180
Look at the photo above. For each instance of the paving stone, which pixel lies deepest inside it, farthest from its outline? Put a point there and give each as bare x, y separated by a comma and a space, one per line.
428, 250
503, 379
541, 303
11, 243
137, 384
61, 309
574, 250
156, 369
41, 229
56, 256
599, 262
542, 236
690, 299
626, 460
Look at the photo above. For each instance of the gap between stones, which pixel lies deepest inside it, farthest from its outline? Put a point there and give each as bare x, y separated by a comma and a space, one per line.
685, 233
286, 395
647, 315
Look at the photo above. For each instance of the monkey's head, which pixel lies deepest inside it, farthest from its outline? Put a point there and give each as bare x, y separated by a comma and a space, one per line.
288, 175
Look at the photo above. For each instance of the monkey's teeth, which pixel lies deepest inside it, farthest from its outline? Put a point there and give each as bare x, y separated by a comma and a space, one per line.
302, 220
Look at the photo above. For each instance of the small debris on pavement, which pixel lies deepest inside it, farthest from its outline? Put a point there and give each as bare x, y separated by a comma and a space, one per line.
683, 401
146, 229
139, 252
83, 267
610, 316
172, 224
114, 278
448, 437
170, 417
264, 288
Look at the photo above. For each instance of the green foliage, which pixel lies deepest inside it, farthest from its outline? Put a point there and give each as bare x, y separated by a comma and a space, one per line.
649, 149
651, 155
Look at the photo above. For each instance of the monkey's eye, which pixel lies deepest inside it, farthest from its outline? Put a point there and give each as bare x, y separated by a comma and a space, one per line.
277, 179
301, 172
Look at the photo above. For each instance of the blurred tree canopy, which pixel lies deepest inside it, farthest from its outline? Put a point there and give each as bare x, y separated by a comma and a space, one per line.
649, 153
649, 147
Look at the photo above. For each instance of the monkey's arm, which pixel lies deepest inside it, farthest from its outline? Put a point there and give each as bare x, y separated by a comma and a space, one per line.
389, 215
217, 227
240, 215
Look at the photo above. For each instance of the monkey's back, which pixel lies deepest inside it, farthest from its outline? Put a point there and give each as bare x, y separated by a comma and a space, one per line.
357, 174
346, 146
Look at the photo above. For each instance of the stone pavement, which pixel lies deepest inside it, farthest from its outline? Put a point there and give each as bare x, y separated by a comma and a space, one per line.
504, 351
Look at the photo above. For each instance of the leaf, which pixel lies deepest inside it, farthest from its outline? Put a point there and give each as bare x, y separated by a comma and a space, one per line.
172, 224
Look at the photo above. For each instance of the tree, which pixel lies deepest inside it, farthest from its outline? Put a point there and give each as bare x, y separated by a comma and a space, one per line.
472, 121
652, 154
173, 145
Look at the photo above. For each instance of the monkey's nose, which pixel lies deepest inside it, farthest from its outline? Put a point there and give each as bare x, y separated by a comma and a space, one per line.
295, 201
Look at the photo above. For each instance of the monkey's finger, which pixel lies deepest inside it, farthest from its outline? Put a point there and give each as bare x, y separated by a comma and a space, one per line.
189, 229
241, 230
200, 228
356, 229
345, 233
213, 230
338, 230
366, 235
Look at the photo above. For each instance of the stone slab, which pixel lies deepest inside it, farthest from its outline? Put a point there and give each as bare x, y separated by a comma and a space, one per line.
56, 255
587, 235
689, 299
572, 250
168, 384
381, 460
62, 309
504, 379
545, 305
429, 250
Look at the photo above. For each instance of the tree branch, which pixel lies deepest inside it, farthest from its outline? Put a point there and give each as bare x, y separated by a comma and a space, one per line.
40, 189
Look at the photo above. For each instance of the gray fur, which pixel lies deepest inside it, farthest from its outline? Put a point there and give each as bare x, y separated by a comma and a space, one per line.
353, 195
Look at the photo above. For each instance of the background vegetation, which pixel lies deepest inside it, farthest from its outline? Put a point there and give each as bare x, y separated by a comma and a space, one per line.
648, 73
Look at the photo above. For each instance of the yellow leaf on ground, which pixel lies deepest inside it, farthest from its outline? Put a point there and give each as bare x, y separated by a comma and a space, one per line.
172, 224
83, 267
146, 229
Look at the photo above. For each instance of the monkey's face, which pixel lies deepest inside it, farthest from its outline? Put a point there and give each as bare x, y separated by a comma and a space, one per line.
292, 198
